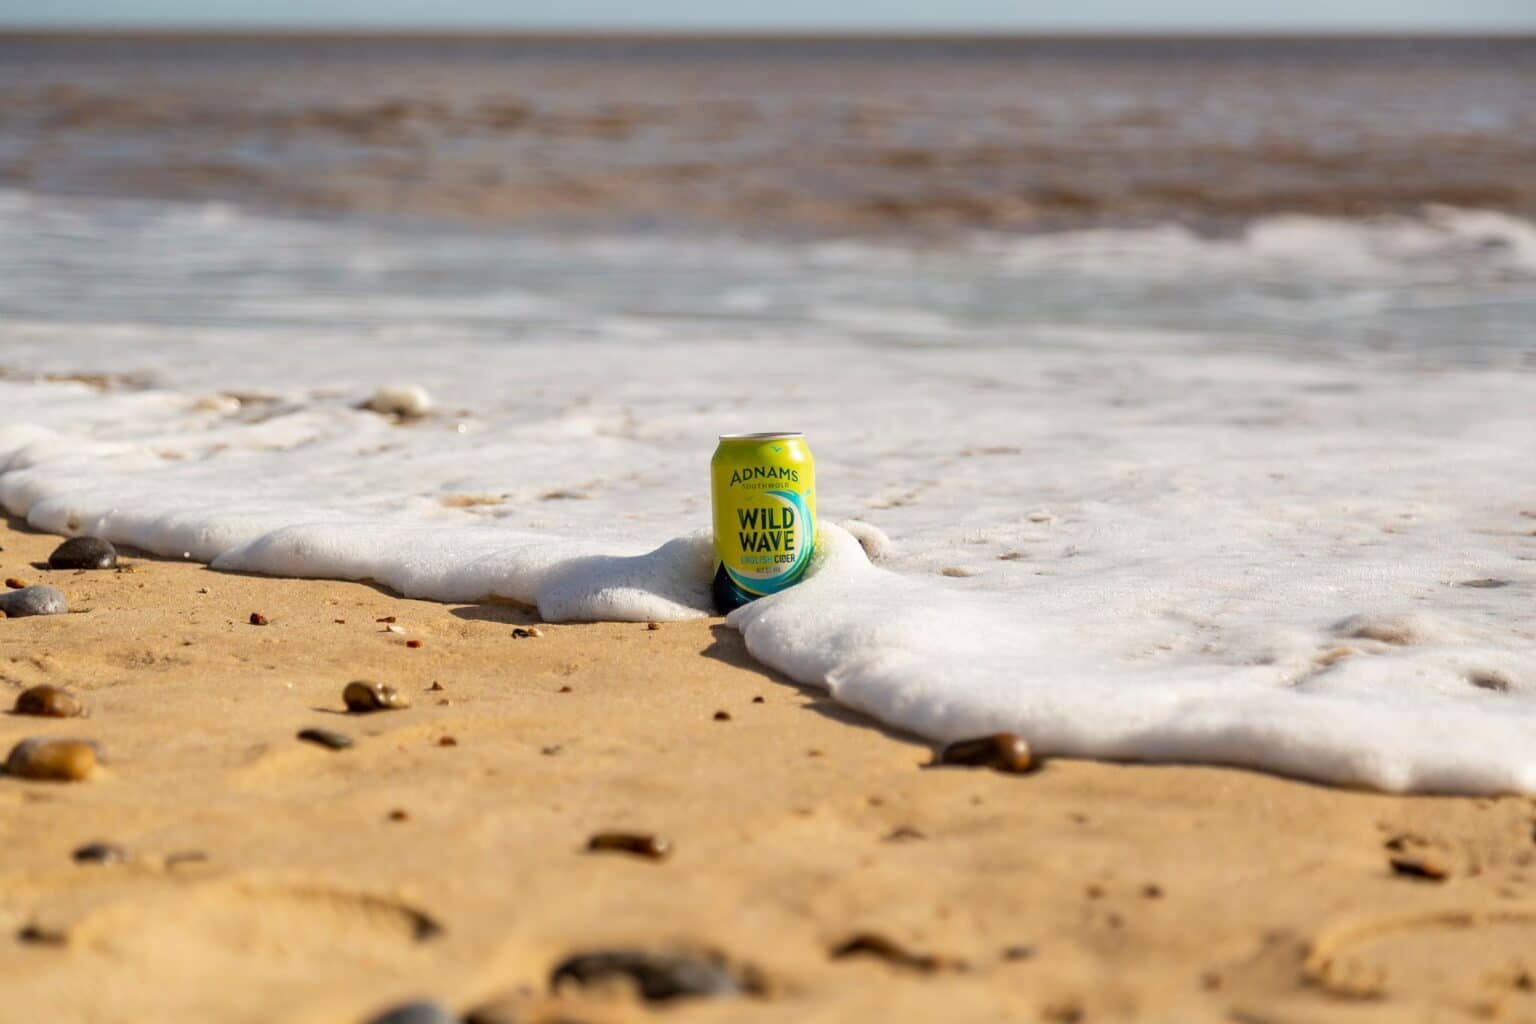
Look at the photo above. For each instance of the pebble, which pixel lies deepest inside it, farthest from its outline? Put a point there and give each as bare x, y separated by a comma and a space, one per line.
100, 853
14, 583
1426, 867
405, 403
415, 1013
39, 600
52, 760
524, 632
1003, 751
722, 716
83, 553
656, 976
258, 619
653, 625
361, 695
47, 701
413, 643
879, 946
326, 738
640, 844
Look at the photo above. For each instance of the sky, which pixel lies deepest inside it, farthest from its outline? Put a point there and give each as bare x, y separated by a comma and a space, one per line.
889, 15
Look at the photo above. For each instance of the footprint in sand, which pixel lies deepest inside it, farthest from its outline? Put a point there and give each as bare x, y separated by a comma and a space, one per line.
1457, 957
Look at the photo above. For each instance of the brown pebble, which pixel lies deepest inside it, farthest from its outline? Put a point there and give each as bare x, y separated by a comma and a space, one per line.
258, 619
340, 622
52, 760
362, 696
447, 741
1421, 866
185, 857
638, 843
524, 632
653, 625
722, 716
47, 701
413, 643
1003, 751
399, 814
387, 618
435, 687
758, 700
39, 935
15, 584
565, 689
550, 751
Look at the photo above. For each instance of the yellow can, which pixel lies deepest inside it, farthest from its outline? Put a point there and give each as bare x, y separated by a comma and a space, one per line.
764, 492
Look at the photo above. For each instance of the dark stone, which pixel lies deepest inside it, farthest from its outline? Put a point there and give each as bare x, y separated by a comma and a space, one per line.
415, 1013
1003, 751
638, 843
657, 976
39, 600
326, 738
99, 853
83, 553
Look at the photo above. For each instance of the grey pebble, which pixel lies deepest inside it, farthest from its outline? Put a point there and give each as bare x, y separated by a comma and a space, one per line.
415, 1013
39, 600
83, 553
657, 976
326, 738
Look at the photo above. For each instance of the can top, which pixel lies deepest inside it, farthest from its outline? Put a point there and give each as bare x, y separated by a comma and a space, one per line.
770, 436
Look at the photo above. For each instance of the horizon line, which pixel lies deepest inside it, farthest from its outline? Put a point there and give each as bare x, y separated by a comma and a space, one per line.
256, 30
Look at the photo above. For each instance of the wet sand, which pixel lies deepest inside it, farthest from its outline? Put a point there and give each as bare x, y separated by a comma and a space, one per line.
271, 879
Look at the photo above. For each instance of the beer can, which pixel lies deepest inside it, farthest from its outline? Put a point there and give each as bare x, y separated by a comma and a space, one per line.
764, 491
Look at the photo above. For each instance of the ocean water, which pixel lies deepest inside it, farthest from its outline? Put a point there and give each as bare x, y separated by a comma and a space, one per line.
1261, 498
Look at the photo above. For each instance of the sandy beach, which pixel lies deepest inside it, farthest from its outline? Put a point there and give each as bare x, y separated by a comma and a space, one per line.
443, 855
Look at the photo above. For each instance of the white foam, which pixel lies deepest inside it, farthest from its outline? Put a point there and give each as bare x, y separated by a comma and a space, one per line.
1136, 495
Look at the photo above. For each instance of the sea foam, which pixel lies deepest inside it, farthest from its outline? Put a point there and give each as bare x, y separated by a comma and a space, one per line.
1136, 495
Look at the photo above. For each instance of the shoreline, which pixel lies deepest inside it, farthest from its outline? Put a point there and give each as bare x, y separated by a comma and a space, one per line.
1085, 891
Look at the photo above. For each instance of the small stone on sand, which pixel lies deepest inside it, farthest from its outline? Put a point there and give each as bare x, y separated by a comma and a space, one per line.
47, 701
638, 843
14, 583
1003, 751
83, 553
362, 696
39, 600
653, 625
655, 976
52, 760
326, 738
722, 716
415, 1013
258, 619
413, 644
524, 632
99, 853
1424, 866
882, 948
